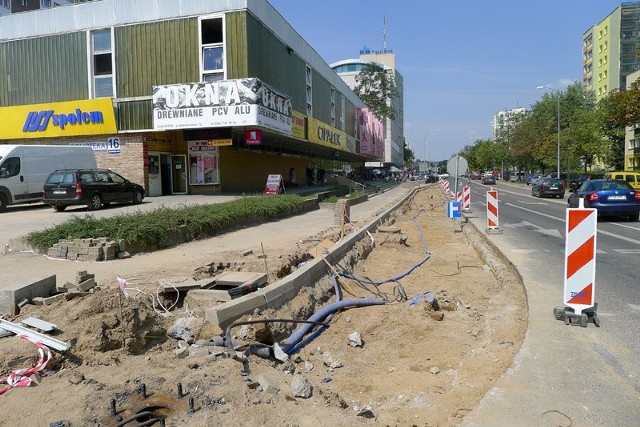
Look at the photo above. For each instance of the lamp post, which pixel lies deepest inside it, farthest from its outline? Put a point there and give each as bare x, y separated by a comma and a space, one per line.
558, 98
425, 153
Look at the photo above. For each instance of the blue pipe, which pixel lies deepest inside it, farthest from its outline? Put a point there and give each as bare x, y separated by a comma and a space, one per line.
292, 344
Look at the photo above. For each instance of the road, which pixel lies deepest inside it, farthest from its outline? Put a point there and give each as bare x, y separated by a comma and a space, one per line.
593, 364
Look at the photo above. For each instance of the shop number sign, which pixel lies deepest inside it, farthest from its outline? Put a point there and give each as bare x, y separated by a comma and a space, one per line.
113, 145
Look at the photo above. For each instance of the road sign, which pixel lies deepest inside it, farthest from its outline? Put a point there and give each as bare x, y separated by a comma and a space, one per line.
453, 210
457, 166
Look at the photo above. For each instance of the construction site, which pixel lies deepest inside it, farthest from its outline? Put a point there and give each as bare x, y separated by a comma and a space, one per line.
401, 317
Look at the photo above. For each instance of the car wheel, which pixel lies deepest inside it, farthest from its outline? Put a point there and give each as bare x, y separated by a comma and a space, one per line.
634, 217
137, 197
4, 202
59, 208
561, 196
95, 202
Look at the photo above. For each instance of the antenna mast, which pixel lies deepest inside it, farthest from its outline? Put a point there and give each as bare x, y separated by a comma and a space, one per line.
384, 33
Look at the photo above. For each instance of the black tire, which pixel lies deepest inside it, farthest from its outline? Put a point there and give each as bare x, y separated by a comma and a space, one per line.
95, 202
634, 217
561, 196
4, 202
59, 208
137, 197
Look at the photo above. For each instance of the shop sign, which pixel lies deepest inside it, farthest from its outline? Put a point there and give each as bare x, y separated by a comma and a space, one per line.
253, 137
274, 185
70, 118
323, 134
240, 102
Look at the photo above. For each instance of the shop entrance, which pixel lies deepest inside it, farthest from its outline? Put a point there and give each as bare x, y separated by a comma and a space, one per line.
178, 174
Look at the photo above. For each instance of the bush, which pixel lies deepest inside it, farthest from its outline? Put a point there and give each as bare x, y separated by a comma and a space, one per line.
150, 229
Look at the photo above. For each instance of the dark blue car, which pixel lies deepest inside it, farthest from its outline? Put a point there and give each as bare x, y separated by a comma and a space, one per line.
610, 197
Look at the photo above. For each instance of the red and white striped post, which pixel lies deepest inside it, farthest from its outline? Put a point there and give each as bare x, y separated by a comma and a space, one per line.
459, 197
492, 210
580, 258
466, 198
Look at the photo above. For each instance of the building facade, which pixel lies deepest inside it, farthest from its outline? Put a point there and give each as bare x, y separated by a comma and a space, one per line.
504, 121
17, 6
183, 96
632, 136
393, 129
609, 50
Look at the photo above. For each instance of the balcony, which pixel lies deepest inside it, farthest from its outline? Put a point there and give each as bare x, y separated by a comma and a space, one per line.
5, 7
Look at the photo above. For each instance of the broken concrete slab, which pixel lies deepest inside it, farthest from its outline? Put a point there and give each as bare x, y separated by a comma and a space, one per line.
206, 297
39, 287
39, 324
173, 287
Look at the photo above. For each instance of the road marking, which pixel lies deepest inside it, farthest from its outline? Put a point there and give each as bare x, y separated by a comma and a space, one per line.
524, 251
628, 251
606, 233
532, 203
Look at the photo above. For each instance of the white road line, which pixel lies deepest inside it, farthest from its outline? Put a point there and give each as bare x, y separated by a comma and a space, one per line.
606, 233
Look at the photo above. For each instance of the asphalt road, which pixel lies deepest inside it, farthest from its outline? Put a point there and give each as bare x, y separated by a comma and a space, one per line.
587, 376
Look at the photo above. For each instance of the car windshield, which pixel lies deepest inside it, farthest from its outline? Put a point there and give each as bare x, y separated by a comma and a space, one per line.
60, 177
553, 181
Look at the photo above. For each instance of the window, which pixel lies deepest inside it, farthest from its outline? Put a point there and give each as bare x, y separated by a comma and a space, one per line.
211, 50
309, 92
333, 107
204, 161
45, 4
10, 167
101, 64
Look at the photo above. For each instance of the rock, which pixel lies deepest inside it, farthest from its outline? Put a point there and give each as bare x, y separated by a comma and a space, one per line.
366, 412
76, 379
328, 361
267, 384
308, 366
355, 339
181, 353
279, 354
301, 387
435, 370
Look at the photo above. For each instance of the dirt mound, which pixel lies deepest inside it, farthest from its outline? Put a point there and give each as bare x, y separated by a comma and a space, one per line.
450, 326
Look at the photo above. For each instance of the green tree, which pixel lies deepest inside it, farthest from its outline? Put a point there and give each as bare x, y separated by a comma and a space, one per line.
409, 156
376, 89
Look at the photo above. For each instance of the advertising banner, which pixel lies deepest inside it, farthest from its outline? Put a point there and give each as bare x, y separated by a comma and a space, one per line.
370, 134
323, 134
241, 102
298, 128
69, 118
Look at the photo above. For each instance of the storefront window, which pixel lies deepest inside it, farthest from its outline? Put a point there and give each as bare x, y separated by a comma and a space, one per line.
204, 161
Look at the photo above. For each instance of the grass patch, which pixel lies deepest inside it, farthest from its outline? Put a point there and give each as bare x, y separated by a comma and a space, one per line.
150, 229
354, 195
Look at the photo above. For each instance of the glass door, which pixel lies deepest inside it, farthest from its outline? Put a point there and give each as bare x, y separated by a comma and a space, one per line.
178, 174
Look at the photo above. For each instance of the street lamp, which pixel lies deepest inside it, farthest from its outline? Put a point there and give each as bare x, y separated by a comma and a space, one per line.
558, 98
425, 154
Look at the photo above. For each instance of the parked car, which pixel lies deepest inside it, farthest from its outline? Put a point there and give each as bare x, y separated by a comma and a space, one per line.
578, 180
92, 187
546, 186
633, 178
488, 179
474, 175
533, 178
609, 197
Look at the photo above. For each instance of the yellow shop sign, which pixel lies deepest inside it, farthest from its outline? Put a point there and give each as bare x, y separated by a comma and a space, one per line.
322, 133
69, 118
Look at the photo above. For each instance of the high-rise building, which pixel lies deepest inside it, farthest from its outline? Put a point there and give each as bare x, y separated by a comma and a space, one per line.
504, 121
609, 50
393, 129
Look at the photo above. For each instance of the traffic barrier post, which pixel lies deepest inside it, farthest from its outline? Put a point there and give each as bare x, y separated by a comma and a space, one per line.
579, 268
492, 211
466, 198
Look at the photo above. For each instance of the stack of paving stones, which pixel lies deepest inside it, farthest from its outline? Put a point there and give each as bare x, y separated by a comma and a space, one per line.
100, 249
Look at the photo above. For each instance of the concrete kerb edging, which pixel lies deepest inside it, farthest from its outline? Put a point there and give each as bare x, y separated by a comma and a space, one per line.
279, 293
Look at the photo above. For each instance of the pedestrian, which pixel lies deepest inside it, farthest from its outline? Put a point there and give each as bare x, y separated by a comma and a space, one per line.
292, 177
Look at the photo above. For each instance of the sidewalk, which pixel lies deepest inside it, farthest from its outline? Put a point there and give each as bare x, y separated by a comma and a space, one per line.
19, 268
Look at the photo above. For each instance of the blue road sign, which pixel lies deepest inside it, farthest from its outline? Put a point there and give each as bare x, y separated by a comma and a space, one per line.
453, 210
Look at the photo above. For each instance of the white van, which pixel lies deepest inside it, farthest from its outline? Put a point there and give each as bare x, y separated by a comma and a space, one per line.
25, 168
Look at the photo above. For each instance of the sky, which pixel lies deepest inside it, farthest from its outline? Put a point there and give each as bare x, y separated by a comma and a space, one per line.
462, 61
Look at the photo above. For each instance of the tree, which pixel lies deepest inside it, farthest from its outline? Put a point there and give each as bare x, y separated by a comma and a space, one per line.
409, 156
376, 89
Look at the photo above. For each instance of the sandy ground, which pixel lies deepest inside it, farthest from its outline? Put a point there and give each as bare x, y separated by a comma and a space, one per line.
417, 364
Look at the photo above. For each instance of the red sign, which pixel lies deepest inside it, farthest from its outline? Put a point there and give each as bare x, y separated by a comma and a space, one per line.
253, 137
274, 184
